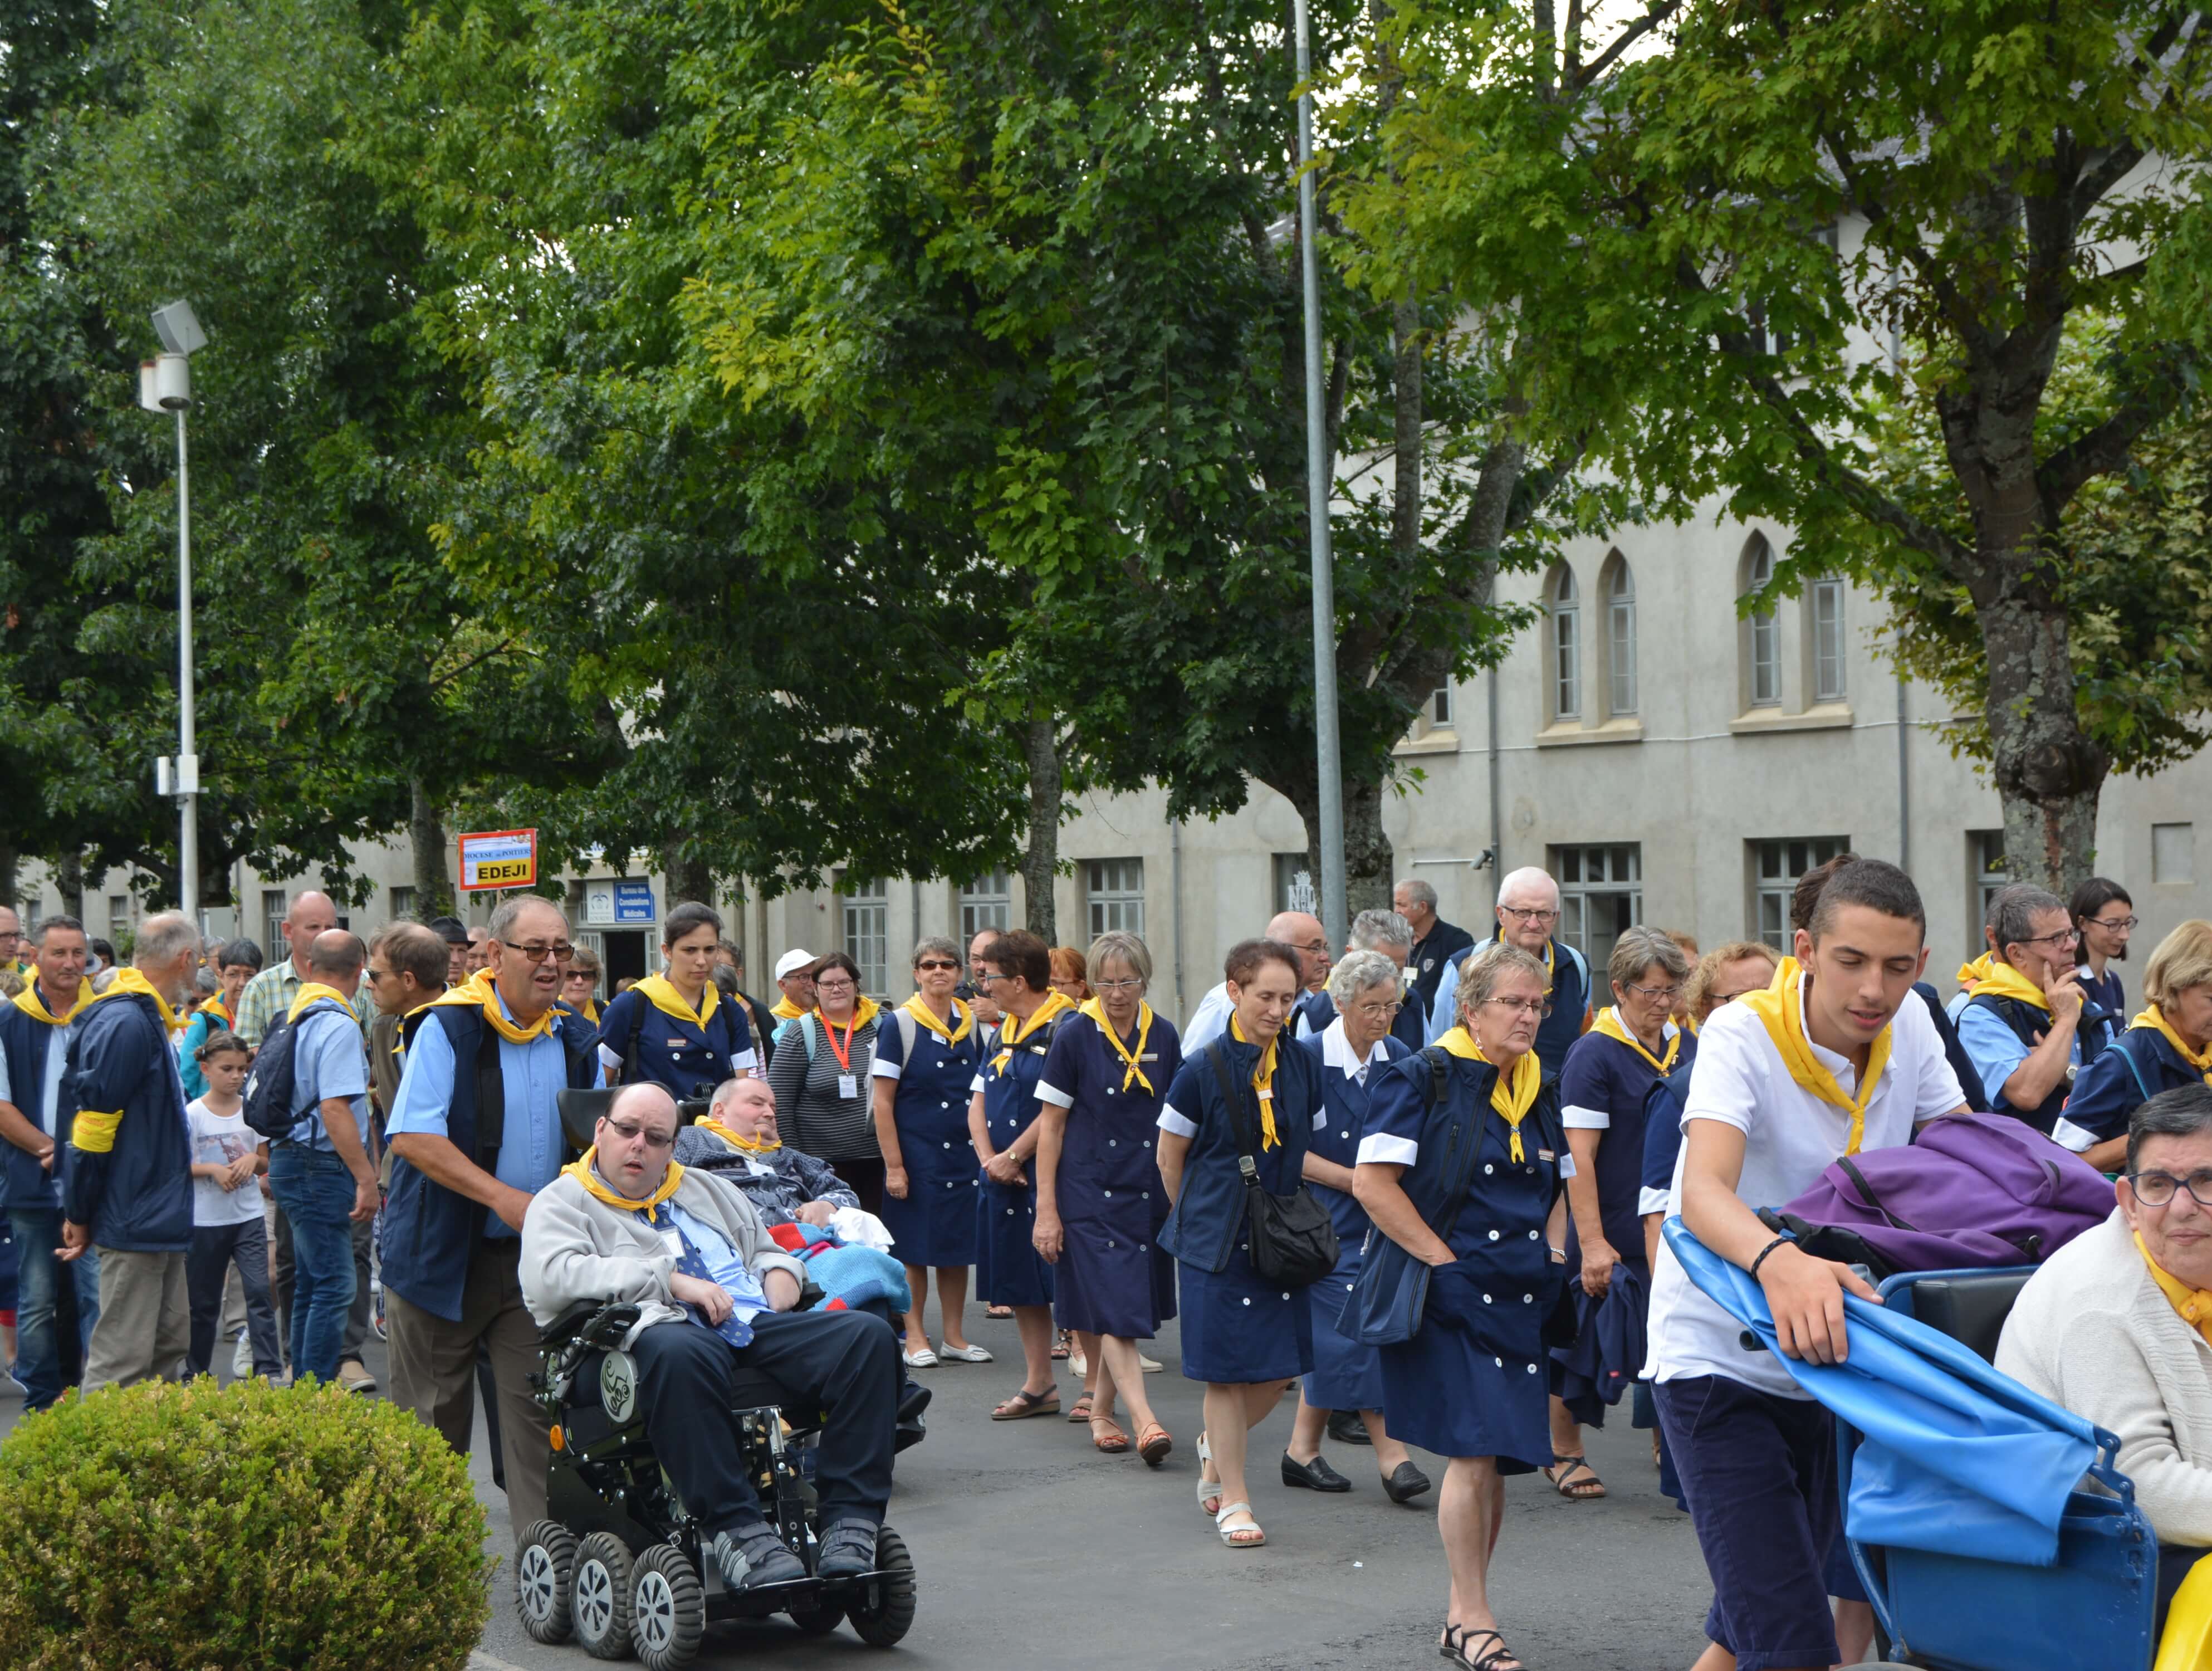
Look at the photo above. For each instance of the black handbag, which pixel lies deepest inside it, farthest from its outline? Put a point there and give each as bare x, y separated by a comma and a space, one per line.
1293, 1243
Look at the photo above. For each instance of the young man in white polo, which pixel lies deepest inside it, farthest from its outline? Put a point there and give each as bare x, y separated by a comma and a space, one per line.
1833, 1058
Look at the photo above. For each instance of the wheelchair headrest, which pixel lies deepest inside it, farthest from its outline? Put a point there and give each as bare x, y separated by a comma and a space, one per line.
1970, 1309
580, 1114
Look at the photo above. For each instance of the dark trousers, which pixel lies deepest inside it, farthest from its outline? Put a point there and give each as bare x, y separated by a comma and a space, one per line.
866, 1175
215, 1249
1760, 1475
838, 1361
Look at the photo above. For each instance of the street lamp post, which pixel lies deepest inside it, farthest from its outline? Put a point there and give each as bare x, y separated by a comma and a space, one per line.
164, 385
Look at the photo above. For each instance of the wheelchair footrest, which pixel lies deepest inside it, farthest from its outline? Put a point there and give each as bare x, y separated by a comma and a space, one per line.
758, 1600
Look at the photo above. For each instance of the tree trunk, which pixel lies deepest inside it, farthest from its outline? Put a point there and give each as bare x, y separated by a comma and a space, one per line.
2049, 774
686, 878
1041, 744
69, 877
8, 863
426, 828
1368, 857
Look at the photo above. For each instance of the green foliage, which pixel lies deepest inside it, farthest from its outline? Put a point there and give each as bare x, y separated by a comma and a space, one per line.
243, 1528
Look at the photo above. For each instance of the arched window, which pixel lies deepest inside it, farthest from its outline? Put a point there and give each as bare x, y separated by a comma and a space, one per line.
1567, 647
1619, 636
1764, 637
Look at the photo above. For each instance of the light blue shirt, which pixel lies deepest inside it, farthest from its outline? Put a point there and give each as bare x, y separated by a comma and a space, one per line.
533, 1076
328, 1063
1209, 1021
723, 1267
1996, 1050
44, 1115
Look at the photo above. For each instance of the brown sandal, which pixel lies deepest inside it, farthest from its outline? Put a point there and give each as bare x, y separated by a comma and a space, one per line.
1026, 1403
1561, 1473
1154, 1443
1114, 1442
1080, 1410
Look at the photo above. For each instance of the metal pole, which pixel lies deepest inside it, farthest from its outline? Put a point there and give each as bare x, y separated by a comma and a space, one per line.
188, 840
1320, 481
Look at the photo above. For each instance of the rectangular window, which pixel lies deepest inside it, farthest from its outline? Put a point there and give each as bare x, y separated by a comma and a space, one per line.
1294, 884
867, 911
119, 919
1775, 868
1440, 705
276, 906
1601, 894
2173, 852
1985, 853
1766, 661
402, 903
1114, 891
1567, 686
1621, 626
1827, 606
986, 902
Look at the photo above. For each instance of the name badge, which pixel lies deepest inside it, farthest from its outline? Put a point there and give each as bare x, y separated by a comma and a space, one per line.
849, 1085
672, 1239
1150, 1056
1546, 1154
676, 1044
1267, 1096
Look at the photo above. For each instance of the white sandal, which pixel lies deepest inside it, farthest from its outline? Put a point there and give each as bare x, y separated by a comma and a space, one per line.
1228, 1533
1207, 1488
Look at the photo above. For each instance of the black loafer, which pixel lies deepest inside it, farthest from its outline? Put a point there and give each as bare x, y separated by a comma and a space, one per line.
848, 1549
914, 1399
1346, 1427
1405, 1484
1316, 1476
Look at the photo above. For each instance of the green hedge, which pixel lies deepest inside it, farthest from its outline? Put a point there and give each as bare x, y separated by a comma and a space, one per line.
180, 1528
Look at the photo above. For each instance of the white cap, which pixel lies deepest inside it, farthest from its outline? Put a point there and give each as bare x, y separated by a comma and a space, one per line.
793, 960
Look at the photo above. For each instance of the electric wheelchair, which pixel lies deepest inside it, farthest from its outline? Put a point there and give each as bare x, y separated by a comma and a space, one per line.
616, 1564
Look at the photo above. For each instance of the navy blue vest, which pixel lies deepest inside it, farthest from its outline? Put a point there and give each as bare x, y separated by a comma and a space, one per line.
25, 1183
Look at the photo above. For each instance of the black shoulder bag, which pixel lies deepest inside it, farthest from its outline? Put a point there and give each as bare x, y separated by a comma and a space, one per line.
1293, 1243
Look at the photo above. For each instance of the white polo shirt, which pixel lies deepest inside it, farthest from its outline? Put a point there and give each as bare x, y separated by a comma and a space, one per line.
1790, 1137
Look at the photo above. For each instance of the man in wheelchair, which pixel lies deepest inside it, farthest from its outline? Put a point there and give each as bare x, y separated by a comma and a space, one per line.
626, 1223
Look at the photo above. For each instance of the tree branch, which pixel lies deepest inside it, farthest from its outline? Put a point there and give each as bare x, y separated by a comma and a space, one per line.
1661, 11
2103, 449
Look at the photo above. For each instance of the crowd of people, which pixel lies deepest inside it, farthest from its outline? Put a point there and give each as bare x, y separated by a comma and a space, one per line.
1420, 1177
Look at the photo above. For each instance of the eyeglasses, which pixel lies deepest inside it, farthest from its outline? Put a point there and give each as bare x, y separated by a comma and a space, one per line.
840, 983
1378, 1012
2156, 1188
1311, 948
629, 1134
929, 965
1669, 994
2064, 936
993, 979
1119, 986
537, 951
1531, 918
1720, 999
1538, 1007
2110, 924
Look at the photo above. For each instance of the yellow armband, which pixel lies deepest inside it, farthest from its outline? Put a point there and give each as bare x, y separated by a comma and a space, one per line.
94, 1133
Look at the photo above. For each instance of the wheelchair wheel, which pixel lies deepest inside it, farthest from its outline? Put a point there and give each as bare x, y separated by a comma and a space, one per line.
668, 1608
818, 1620
545, 1570
883, 1624
598, 1596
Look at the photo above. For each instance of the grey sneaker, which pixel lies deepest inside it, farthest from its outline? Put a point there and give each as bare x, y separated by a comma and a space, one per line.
848, 1548
753, 1557
241, 1361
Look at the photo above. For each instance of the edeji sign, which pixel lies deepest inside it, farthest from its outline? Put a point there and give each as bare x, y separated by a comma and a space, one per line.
499, 858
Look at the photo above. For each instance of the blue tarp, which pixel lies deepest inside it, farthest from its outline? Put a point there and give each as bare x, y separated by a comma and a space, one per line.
1956, 1458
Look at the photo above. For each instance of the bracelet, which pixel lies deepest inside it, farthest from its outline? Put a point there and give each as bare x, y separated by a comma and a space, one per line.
1778, 1242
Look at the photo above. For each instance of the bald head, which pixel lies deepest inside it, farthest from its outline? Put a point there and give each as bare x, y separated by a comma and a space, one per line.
747, 1107
311, 914
1527, 909
1302, 932
646, 1103
335, 959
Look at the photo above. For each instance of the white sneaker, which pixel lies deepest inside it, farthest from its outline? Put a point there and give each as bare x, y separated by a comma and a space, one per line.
241, 1361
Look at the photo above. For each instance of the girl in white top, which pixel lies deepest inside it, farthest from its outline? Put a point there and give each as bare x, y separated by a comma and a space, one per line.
227, 1229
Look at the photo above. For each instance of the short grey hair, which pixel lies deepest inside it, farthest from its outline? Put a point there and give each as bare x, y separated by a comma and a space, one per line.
1361, 971
46, 925
644, 1090
163, 939
2014, 909
1526, 877
1118, 946
2184, 1111
935, 945
510, 909
1480, 975
1640, 947
730, 1087
1373, 930
1420, 892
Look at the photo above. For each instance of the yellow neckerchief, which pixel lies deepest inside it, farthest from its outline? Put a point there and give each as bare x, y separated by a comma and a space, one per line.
784, 1010
2004, 981
1263, 1076
660, 991
591, 1010
926, 1016
1131, 1071
469, 995
1512, 1095
216, 1006
309, 993
751, 1145
2201, 1060
1781, 1010
1614, 1028
130, 980
1972, 974
1013, 1032
33, 1006
584, 1173
2195, 1304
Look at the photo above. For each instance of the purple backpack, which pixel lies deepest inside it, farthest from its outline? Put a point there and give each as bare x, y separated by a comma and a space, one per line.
1971, 1191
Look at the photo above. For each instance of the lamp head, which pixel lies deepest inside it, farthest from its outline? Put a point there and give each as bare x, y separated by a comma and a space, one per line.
178, 328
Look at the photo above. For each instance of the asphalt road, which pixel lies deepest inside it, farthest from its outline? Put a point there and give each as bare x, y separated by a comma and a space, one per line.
1033, 1550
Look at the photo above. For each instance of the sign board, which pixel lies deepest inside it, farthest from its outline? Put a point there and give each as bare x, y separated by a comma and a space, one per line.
499, 858
617, 904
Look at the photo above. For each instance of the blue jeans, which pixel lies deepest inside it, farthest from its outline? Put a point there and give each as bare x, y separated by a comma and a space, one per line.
37, 1232
314, 1192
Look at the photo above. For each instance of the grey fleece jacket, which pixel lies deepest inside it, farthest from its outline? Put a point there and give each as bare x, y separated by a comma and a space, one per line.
575, 1247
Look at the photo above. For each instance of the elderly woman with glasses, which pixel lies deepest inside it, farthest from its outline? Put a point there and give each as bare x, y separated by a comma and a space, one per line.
1460, 1167
1100, 1200
821, 1073
929, 1052
1352, 1051
1610, 1071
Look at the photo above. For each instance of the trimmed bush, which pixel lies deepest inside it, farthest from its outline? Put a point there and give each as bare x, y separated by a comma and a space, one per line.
195, 1527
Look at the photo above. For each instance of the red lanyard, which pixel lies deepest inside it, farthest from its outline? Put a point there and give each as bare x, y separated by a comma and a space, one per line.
844, 1051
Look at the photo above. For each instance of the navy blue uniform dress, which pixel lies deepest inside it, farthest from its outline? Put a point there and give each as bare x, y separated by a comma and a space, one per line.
1346, 1376
1009, 1270
1471, 1380
2135, 1067
1108, 1188
1605, 1088
935, 1224
688, 1052
1236, 1327
2109, 995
